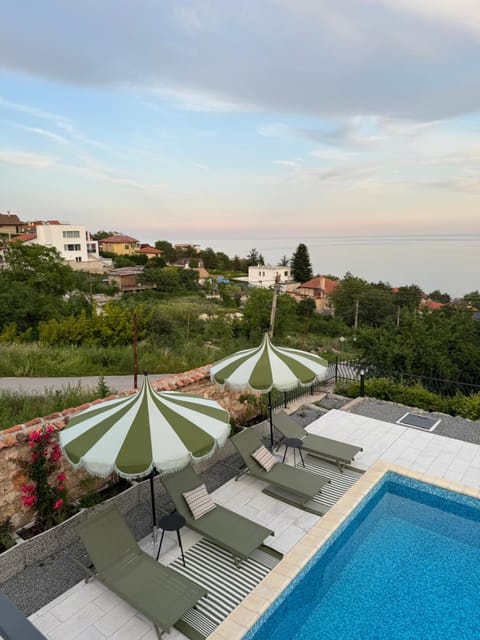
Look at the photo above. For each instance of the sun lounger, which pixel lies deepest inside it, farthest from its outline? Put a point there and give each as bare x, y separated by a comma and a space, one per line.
336, 451
286, 483
161, 594
231, 531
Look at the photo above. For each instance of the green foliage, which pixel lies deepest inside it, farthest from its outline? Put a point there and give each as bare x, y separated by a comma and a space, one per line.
169, 254
306, 307
45, 492
444, 344
32, 287
18, 407
112, 327
438, 296
257, 311
473, 298
254, 258
372, 304
415, 395
6, 530
301, 265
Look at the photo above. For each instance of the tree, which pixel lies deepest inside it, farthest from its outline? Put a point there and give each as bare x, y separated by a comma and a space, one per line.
284, 261
438, 296
408, 297
473, 299
209, 258
100, 235
33, 286
254, 258
169, 253
257, 310
372, 304
301, 265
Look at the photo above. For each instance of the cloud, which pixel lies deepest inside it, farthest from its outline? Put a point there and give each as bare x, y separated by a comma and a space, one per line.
395, 58
22, 159
43, 133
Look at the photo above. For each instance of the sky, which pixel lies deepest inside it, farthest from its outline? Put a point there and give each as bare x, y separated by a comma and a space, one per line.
245, 122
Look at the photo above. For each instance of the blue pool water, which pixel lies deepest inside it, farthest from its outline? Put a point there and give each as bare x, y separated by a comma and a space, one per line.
405, 566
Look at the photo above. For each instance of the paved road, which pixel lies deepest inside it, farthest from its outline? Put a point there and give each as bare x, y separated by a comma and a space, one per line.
39, 385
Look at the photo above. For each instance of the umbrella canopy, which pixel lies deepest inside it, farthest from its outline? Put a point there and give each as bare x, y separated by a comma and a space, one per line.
134, 435
269, 367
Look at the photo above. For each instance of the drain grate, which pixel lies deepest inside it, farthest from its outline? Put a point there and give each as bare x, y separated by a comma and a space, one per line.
420, 422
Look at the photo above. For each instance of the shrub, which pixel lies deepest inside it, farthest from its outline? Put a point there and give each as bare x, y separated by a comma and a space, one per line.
45, 492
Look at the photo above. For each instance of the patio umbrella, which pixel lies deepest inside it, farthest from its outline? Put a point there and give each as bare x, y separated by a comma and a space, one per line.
269, 367
135, 435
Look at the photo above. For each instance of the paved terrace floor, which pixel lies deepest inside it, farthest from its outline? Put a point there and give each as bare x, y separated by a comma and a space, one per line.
91, 612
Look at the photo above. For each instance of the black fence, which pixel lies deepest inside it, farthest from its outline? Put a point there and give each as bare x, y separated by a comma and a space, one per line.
355, 371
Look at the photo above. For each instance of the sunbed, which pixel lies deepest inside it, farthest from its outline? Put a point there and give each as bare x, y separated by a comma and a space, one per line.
284, 482
231, 531
160, 593
336, 451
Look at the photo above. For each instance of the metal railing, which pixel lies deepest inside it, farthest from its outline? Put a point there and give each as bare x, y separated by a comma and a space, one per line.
355, 371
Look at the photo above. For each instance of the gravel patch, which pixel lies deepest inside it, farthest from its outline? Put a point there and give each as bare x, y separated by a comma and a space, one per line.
40, 583
449, 426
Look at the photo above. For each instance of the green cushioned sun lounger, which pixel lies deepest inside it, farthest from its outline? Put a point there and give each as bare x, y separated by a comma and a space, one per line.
229, 530
159, 593
341, 453
287, 483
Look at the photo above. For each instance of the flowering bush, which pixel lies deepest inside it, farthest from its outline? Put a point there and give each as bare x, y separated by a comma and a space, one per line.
45, 490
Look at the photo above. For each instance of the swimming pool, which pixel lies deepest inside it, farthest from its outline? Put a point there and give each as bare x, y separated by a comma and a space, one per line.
405, 565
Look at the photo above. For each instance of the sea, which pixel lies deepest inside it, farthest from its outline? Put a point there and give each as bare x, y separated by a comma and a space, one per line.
449, 263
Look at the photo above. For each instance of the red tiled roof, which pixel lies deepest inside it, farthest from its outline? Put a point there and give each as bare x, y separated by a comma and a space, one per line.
316, 283
24, 237
432, 304
149, 250
118, 239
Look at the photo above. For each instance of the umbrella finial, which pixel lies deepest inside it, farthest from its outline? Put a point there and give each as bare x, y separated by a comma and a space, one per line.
145, 373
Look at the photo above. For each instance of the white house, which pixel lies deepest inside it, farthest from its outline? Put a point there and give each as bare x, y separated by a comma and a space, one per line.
264, 275
72, 241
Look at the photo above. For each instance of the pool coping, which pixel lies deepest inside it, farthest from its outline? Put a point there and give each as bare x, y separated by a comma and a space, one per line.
239, 622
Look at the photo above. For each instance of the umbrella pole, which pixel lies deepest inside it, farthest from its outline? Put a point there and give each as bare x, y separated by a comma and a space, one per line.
271, 418
154, 513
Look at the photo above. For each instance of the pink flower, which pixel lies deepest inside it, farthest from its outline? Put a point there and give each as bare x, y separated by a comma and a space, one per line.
28, 488
61, 476
60, 487
29, 501
50, 429
58, 504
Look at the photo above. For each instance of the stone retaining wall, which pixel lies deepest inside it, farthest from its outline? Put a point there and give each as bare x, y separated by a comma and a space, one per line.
14, 441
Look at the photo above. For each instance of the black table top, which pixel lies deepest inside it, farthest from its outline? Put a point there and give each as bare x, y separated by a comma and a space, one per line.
172, 522
296, 443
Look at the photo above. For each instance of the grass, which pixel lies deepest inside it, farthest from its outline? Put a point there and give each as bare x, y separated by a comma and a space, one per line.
16, 407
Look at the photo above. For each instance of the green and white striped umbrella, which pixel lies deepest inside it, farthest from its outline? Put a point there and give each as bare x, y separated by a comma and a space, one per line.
135, 435
269, 367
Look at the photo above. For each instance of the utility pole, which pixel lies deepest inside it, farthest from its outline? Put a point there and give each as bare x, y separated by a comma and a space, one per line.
135, 351
276, 288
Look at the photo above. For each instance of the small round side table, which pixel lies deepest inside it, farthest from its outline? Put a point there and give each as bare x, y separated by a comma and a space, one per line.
172, 522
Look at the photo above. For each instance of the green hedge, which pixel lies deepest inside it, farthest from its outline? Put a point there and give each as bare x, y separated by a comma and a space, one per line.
415, 396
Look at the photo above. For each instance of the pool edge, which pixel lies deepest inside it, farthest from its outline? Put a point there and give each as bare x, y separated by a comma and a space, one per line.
257, 602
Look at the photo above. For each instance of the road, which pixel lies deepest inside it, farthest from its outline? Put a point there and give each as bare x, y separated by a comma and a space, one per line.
39, 385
